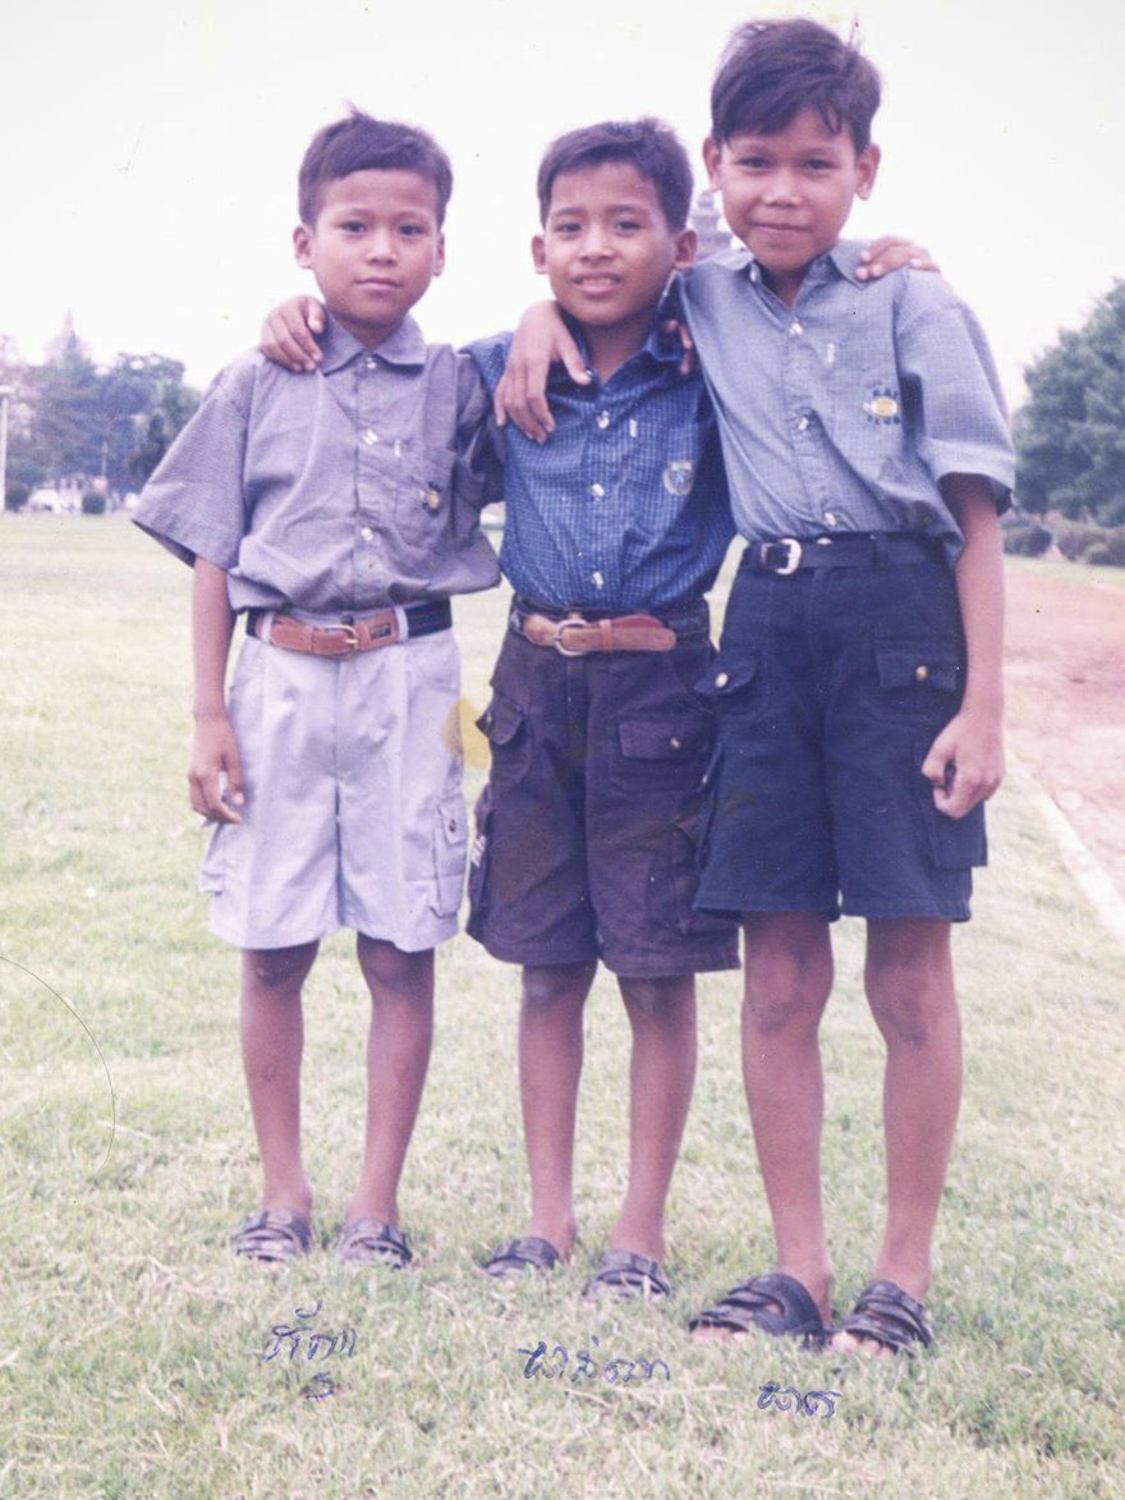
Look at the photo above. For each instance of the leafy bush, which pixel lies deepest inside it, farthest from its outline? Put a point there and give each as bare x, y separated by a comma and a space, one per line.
1027, 539
93, 503
16, 497
1074, 537
1109, 552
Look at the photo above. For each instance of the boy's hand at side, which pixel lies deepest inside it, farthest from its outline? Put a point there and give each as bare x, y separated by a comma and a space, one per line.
891, 254
215, 754
288, 334
965, 763
541, 339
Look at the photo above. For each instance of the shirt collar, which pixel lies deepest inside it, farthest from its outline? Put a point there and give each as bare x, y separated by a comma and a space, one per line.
843, 258
405, 346
663, 348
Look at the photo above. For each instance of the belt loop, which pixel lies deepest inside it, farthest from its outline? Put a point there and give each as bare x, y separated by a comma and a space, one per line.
402, 622
263, 626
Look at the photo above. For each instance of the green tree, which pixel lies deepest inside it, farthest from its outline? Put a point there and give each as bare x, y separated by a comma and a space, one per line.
1070, 435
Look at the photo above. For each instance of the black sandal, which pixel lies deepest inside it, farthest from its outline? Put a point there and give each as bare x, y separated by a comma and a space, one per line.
372, 1242
773, 1303
276, 1236
515, 1258
626, 1276
891, 1317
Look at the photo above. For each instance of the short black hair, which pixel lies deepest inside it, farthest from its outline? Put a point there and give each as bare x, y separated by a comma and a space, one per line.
650, 145
771, 70
360, 143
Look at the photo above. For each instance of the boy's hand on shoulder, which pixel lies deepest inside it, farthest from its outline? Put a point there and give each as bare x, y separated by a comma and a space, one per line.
891, 254
288, 334
965, 763
540, 339
215, 754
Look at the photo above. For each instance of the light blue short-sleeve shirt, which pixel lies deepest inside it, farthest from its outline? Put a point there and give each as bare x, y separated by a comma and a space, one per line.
843, 412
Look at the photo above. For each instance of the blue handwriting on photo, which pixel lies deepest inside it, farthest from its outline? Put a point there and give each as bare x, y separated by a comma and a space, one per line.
614, 1372
801, 1405
318, 1345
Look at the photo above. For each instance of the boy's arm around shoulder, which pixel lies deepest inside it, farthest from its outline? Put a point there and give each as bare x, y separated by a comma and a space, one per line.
478, 469
193, 502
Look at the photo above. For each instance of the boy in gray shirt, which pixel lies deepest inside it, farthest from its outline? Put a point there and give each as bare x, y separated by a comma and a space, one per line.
338, 514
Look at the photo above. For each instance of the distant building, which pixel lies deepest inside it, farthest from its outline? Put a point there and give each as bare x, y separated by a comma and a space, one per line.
708, 224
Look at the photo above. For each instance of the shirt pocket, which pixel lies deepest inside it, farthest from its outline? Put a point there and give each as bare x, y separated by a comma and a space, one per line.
659, 474
421, 493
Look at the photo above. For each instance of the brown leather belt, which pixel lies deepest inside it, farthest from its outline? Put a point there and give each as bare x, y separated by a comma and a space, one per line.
573, 634
350, 636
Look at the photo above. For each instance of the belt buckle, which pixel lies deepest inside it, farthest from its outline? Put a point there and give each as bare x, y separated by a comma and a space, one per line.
793, 559
350, 634
572, 621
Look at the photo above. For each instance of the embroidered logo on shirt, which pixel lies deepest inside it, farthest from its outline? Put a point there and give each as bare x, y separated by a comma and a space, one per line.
882, 407
679, 475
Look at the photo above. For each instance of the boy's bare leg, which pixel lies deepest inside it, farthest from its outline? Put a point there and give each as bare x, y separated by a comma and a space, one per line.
272, 1040
909, 976
661, 1075
788, 978
398, 1054
550, 1053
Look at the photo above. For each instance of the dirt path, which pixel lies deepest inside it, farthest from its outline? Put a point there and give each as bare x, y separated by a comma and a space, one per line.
1066, 702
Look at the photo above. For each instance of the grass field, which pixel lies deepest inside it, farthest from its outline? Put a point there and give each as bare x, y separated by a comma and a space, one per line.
132, 1367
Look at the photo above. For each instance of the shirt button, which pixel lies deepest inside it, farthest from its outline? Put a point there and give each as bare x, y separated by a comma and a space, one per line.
796, 328
921, 672
599, 581
603, 420
802, 423
722, 679
366, 533
371, 362
598, 491
369, 436
830, 517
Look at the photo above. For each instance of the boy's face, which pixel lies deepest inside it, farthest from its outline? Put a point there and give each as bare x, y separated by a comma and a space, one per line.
787, 196
607, 248
374, 249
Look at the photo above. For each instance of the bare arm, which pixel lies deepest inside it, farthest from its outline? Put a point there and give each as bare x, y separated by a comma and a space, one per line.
965, 764
214, 749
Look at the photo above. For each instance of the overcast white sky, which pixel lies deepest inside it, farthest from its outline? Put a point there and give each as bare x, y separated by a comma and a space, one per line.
150, 149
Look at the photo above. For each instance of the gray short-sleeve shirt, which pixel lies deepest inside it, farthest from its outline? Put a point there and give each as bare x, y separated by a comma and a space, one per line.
844, 411
349, 489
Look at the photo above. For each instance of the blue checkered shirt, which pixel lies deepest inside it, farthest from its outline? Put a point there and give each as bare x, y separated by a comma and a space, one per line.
842, 412
625, 506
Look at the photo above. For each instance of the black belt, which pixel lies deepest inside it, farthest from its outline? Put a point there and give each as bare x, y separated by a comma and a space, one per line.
686, 620
850, 549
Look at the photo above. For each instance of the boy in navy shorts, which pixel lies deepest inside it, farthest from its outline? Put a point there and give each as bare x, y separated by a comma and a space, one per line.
858, 684
337, 514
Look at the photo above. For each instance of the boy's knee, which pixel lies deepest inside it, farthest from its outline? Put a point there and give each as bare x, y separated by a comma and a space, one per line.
275, 968
658, 999
384, 965
559, 982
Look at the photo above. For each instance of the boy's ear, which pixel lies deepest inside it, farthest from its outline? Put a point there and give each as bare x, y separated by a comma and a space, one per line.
539, 253
302, 245
712, 154
867, 168
687, 243
439, 257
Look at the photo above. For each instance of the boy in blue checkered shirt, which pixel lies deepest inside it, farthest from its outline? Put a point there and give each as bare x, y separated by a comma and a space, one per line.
857, 686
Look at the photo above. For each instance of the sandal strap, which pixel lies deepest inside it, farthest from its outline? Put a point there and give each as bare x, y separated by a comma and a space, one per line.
628, 1271
374, 1240
275, 1234
756, 1303
890, 1316
527, 1253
